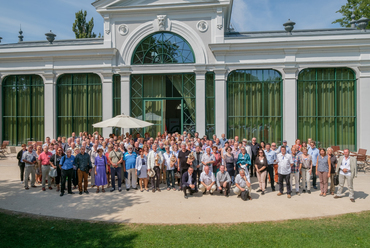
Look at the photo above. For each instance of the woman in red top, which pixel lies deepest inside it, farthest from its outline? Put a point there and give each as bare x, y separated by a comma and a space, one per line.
217, 164
110, 148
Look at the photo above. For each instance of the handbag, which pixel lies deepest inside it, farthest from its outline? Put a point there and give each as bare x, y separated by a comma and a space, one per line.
336, 179
245, 195
53, 172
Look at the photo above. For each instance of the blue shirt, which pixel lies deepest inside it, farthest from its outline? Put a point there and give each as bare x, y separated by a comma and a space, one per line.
270, 156
287, 150
130, 160
67, 163
223, 141
314, 154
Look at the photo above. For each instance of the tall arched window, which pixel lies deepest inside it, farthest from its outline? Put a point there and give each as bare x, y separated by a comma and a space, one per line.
163, 48
79, 103
23, 109
327, 107
254, 99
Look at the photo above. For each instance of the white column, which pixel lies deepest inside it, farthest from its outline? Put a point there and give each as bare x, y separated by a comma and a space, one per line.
50, 106
290, 105
125, 95
221, 102
363, 113
107, 83
200, 83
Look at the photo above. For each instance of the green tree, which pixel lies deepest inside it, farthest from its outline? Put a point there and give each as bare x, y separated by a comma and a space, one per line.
81, 28
358, 7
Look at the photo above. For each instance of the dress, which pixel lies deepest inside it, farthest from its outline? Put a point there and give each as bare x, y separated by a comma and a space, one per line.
143, 170
101, 176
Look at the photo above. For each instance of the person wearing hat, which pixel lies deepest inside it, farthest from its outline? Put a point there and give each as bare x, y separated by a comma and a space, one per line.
129, 162
189, 182
288, 150
207, 181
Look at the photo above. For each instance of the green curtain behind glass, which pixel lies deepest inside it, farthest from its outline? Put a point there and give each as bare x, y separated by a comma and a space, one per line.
326, 107
79, 103
254, 105
23, 101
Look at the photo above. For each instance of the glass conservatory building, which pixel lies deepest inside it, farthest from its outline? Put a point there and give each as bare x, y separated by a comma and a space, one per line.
179, 65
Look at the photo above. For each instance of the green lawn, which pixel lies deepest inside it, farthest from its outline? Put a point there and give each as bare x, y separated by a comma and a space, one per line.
351, 230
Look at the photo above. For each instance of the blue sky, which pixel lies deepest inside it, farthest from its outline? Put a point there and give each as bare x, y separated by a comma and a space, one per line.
39, 16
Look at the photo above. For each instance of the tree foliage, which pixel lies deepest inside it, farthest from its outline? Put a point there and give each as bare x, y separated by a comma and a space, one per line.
81, 28
358, 7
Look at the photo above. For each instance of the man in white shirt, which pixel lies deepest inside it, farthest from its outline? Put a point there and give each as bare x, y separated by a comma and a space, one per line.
207, 181
285, 162
242, 183
156, 166
170, 171
347, 169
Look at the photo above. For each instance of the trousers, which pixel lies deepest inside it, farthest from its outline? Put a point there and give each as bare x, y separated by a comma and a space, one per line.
170, 175
30, 170
332, 186
64, 175
203, 189
227, 188
296, 177
21, 168
82, 175
313, 176
131, 174
261, 179
287, 181
306, 179
342, 179
45, 174
237, 191
155, 180
271, 174
92, 176
116, 171
323, 176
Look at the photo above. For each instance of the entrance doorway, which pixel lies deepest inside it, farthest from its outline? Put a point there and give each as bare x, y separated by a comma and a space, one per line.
164, 114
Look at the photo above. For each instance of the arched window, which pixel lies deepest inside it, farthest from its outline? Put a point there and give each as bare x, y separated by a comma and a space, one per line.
254, 105
23, 109
327, 107
163, 48
79, 103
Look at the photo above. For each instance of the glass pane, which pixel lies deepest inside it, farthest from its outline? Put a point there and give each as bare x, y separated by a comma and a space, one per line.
347, 135
326, 132
326, 98
306, 128
10, 130
306, 99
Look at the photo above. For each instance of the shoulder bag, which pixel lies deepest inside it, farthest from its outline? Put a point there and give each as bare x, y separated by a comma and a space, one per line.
53, 172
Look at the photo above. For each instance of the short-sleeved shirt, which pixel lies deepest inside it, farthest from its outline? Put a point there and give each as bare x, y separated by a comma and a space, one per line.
55, 159
115, 156
183, 157
208, 158
284, 163
314, 154
29, 157
270, 156
242, 183
130, 160
167, 161
45, 158
207, 178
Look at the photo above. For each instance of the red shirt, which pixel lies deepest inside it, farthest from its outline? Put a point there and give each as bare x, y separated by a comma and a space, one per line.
45, 158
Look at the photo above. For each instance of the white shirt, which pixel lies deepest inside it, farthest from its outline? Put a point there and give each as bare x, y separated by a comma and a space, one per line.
239, 180
345, 165
189, 179
284, 162
167, 160
207, 178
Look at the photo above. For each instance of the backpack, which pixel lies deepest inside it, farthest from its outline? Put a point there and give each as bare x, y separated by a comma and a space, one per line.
245, 195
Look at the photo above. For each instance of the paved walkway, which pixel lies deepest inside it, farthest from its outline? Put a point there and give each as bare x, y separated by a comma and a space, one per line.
171, 207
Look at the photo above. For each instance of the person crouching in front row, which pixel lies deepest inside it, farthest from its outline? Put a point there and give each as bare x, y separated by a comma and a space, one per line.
189, 181
223, 181
207, 181
242, 183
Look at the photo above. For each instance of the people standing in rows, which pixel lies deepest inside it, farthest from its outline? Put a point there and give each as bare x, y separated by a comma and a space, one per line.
323, 171
223, 181
29, 160
314, 152
285, 162
305, 161
100, 170
261, 165
295, 170
333, 165
347, 171
83, 165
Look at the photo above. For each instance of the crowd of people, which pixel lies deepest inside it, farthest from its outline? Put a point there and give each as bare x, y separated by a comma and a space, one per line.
195, 164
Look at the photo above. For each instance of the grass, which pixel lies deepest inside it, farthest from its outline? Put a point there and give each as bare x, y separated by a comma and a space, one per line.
20, 230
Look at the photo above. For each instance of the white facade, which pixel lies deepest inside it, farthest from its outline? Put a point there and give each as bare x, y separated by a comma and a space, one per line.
205, 26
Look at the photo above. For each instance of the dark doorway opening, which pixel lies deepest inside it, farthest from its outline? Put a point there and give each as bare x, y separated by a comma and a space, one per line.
173, 116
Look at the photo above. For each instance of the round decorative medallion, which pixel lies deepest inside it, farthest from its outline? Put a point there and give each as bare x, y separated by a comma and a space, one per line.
202, 26
123, 29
